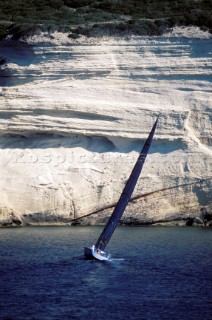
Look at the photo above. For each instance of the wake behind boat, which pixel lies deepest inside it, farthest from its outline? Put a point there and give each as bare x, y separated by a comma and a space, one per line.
97, 251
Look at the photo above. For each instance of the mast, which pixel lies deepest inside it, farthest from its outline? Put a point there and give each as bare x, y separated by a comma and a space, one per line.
126, 194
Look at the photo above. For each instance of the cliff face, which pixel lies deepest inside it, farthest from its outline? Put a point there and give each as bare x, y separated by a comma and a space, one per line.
74, 115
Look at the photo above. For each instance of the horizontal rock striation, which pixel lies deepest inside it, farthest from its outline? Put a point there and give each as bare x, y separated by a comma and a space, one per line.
74, 114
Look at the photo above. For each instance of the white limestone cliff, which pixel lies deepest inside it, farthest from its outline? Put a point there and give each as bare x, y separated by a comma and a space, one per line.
74, 115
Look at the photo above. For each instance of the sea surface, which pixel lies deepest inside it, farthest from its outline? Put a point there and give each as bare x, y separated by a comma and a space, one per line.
155, 273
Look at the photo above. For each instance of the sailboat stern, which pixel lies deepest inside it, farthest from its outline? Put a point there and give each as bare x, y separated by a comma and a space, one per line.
94, 253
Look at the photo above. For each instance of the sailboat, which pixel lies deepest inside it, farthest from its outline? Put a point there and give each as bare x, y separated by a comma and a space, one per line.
97, 251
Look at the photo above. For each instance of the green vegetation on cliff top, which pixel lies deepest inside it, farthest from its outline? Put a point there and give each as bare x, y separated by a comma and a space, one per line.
136, 16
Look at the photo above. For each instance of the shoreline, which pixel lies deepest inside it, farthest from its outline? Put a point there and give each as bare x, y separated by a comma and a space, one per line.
191, 222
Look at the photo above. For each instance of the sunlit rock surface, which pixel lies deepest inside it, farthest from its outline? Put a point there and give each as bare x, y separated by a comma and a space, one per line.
74, 115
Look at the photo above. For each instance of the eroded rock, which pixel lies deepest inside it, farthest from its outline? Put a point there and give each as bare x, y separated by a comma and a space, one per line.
73, 119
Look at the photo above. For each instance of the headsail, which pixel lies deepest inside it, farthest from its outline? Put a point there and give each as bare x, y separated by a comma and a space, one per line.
126, 194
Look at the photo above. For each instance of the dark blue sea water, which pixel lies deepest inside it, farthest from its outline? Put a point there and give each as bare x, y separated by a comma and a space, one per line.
156, 273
